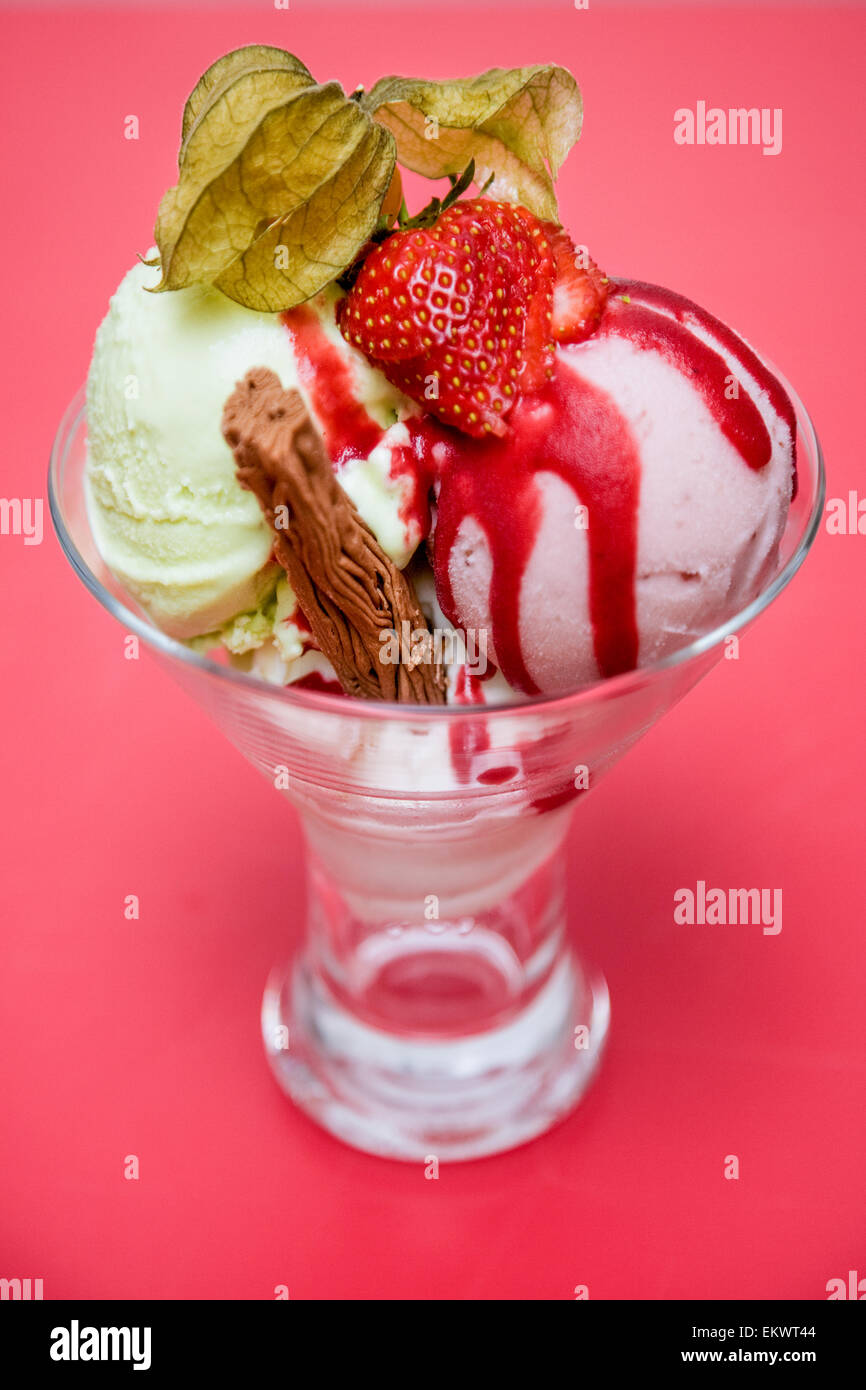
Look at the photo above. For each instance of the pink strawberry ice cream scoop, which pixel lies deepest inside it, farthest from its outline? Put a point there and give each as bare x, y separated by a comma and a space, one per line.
637, 501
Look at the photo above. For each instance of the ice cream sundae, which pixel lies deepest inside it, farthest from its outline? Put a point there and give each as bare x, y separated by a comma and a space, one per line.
323, 432
429, 512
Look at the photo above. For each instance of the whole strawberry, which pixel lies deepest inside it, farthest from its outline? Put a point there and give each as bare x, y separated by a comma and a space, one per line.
459, 314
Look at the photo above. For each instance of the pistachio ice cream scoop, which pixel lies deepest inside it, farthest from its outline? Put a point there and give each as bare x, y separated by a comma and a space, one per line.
169, 516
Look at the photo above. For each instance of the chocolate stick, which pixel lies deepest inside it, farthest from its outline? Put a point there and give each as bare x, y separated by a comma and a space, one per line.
350, 592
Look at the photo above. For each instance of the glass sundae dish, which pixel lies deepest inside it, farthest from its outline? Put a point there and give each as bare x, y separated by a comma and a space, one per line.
435, 519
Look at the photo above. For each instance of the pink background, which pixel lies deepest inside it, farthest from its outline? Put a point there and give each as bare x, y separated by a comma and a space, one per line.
142, 1037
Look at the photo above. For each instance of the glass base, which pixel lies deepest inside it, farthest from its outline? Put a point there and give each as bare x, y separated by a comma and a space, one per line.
452, 1099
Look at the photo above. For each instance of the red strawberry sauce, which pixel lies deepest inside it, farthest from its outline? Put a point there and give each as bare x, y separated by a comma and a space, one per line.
348, 430
465, 736
572, 429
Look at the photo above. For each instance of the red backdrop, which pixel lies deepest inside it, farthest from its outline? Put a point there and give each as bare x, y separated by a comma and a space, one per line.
142, 1037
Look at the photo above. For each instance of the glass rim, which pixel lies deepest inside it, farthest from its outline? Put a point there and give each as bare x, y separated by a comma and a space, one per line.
323, 702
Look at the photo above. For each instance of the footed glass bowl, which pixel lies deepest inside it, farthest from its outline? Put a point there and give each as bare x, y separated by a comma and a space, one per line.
435, 1005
